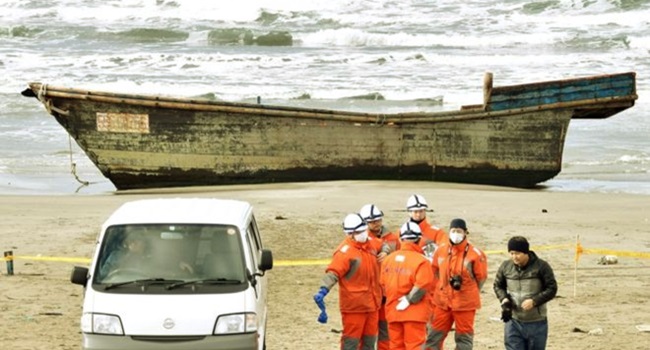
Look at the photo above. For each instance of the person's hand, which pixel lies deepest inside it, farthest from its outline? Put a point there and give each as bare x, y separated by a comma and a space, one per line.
186, 267
319, 298
506, 310
528, 304
403, 303
322, 318
381, 256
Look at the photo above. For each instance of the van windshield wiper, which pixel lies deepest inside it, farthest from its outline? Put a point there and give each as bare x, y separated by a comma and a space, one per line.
204, 281
140, 281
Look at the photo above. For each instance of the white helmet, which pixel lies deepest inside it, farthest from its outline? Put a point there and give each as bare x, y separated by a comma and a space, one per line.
354, 223
416, 202
410, 231
370, 212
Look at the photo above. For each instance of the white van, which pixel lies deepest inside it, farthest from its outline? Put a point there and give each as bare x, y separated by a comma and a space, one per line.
176, 274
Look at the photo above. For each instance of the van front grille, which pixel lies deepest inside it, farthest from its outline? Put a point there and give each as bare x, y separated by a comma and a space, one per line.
167, 339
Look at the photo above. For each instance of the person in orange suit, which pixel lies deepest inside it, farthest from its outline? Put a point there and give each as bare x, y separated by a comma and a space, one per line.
374, 217
355, 268
390, 243
432, 236
406, 280
460, 269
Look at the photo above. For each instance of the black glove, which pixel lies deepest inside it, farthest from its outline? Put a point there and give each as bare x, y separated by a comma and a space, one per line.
506, 310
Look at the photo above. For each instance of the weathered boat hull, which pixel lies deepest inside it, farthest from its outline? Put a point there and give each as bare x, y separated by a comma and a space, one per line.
150, 142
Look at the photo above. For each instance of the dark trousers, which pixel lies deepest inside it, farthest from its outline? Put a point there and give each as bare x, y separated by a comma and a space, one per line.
526, 335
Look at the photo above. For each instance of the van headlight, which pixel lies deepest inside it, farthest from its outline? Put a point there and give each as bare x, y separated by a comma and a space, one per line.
101, 324
236, 323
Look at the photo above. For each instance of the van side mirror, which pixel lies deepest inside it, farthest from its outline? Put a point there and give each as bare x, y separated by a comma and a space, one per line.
266, 263
79, 275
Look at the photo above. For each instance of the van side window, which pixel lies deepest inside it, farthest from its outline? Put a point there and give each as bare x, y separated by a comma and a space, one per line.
255, 255
255, 243
256, 234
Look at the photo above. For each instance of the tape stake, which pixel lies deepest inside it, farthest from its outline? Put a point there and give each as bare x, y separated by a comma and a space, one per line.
9, 258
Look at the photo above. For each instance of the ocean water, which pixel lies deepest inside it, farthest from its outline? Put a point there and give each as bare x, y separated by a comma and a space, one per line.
399, 55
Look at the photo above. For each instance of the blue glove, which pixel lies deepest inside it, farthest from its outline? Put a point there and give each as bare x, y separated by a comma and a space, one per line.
322, 318
319, 298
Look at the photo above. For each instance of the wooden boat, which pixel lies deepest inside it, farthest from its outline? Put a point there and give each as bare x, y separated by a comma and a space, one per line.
514, 138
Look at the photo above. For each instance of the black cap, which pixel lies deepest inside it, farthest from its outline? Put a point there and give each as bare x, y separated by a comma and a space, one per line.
518, 244
458, 223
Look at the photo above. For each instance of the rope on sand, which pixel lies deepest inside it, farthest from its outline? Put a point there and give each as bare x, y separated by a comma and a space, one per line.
73, 165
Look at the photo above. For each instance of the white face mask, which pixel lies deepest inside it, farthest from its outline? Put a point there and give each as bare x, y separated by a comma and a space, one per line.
456, 237
361, 237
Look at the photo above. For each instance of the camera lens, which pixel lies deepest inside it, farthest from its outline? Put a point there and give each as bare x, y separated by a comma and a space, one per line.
455, 282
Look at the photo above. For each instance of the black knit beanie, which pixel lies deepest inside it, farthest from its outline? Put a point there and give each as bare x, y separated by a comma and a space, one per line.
458, 223
518, 244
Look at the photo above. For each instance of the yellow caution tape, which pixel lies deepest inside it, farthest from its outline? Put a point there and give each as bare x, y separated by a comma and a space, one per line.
616, 252
316, 262
53, 258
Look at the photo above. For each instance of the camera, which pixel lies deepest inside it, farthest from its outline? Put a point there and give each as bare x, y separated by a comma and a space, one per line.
455, 282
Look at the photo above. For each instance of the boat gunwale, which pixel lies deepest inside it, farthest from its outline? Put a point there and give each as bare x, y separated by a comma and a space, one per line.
378, 118
568, 81
42, 91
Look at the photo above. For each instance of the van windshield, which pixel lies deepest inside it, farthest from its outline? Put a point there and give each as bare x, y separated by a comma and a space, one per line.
169, 253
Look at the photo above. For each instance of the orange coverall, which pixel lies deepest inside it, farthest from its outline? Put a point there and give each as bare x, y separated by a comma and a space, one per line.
456, 306
390, 240
354, 266
390, 243
400, 273
431, 235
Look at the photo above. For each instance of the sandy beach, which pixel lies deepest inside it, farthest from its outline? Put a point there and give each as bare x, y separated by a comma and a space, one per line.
49, 234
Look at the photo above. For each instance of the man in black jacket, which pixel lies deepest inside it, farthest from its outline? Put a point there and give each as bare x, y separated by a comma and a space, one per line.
523, 285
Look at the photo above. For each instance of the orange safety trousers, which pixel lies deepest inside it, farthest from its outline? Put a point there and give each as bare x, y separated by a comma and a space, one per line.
444, 319
359, 327
407, 335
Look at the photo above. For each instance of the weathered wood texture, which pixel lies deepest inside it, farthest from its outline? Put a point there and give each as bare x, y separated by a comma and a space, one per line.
144, 142
201, 148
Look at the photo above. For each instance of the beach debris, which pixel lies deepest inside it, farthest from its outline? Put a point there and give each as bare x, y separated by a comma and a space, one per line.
578, 330
280, 217
595, 331
544, 211
9, 259
643, 327
608, 260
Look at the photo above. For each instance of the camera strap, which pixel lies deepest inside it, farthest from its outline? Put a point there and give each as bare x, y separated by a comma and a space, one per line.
462, 262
